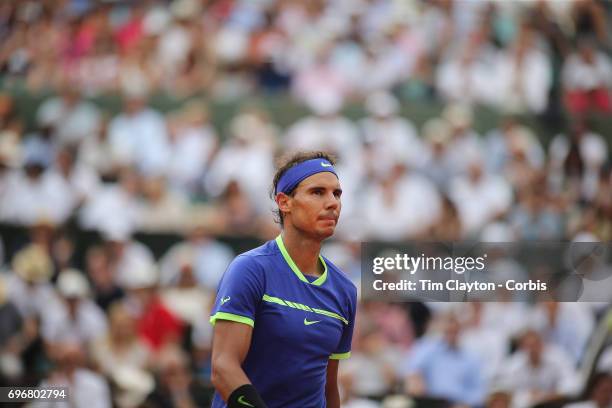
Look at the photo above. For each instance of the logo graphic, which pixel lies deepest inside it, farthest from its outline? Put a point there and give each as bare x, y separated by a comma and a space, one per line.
225, 299
325, 164
308, 323
243, 401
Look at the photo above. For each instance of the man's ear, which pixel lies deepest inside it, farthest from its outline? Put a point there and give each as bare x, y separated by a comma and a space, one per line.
284, 203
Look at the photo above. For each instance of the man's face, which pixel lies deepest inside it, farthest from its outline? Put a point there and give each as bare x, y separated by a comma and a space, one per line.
315, 206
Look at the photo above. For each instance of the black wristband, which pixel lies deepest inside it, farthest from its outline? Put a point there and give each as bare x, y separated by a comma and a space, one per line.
245, 396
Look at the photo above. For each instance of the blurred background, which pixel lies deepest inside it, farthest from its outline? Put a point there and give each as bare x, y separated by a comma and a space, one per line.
137, 149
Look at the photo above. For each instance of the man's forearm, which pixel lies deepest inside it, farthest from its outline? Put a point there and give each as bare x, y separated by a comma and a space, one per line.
226, 377
332, 396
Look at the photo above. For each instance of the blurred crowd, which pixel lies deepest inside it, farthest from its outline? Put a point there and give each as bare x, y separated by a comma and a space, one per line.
128, 326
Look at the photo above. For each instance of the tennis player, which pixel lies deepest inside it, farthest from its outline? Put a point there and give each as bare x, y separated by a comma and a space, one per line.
284, 314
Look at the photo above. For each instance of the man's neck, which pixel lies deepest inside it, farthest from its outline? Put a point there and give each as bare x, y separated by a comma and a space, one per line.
303, 250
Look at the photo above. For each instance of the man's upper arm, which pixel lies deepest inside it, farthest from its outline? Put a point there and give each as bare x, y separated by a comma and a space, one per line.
231, 340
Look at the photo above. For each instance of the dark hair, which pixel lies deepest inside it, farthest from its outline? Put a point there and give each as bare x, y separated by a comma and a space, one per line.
287, 162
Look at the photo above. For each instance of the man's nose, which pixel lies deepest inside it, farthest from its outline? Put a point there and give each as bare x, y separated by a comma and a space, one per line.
332, 201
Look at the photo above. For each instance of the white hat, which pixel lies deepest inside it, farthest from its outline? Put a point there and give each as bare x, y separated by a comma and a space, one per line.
33, 264
72, 284
140, 274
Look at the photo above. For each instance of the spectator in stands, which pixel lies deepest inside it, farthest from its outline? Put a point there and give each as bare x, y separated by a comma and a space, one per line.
100, 273
185, 297
524, 75
587, 79
566, 325
327, 129
193, 142
370, 373
200, 252
82, 180
437, 367
438, 166
510, 136
121, 346
479, 197
76, 318
138, 135
70, 118
464, 75
114, 210
537, 372
156, 325
465, 143
247, 160
536, 215
599, 393
37, 192
87, 388
388, 135
28, 286
411, 204
175, 386
482, 340
161, 209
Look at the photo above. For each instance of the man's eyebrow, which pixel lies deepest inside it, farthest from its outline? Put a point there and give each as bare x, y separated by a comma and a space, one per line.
336, 189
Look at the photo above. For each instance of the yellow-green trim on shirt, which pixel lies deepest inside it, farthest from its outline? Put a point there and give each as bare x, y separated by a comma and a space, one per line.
340, 356
231, 317
318, 282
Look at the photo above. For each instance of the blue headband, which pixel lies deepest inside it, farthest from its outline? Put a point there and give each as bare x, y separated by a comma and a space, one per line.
294, 175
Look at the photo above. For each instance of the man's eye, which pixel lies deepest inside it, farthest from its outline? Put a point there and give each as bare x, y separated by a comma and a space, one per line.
338, 194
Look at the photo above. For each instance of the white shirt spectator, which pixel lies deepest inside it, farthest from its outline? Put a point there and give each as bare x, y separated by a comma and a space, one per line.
209, 259
96, 153
173, 47
525, 86
553, 375
403, 209
111, 206
578, 74
569, 327
88, 325
31, 300
593, 151
72, 122
189, 156
500, 143
250, 165
29, 200
462, 149
140, 138
134, 256
479, 199
393, 138
332, 132
86, 389
466, 81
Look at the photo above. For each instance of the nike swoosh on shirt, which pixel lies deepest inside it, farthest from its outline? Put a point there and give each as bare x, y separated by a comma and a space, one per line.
225, 299
308, 323
242, 401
